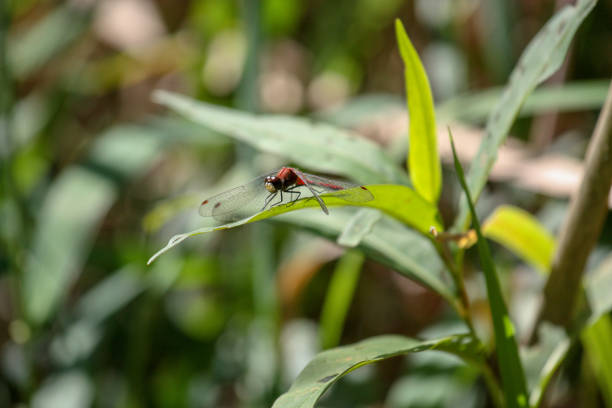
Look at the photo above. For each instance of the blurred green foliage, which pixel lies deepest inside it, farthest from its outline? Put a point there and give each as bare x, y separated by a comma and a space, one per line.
95, 176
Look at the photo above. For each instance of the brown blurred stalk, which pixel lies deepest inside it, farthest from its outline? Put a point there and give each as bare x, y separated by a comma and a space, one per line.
582, 226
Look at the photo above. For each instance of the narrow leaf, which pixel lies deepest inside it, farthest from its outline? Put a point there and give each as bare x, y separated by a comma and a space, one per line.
513, 377
329, 366
423, 158
71, 212
339, 296
542, 57
521, 233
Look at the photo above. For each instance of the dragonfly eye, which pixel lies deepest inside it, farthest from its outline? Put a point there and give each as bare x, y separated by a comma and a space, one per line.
270, 187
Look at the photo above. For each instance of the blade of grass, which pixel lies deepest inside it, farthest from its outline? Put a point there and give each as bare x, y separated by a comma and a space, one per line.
423, 159
339, 296
512, 373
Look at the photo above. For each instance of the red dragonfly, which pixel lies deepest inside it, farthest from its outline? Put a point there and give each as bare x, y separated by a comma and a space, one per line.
283, 187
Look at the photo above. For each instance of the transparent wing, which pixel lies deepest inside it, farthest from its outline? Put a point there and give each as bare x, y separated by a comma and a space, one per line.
237, 203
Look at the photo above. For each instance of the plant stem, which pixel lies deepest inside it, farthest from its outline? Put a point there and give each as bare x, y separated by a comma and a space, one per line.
582, 226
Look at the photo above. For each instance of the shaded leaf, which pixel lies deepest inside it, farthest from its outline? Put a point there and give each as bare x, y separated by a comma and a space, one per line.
72, 210
598, 287
597, 341
56, 31
313, 145
423, 158
338, 298
520, 232
542, 360
390, 242
568, 97
542, 57
329, 366
358, 227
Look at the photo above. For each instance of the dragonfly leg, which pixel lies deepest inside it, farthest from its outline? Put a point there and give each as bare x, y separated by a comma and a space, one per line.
293, 197
279, 202
268, 200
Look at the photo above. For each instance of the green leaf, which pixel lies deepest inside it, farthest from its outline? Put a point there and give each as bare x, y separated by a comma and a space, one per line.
568, 97
597, 341
543, 360
423, 158
513, 377
520, 232
72, 210
56, 31
316, 146
541, 58
331, 365
598, 286
339, 296
400, 202
358, 227
390, 242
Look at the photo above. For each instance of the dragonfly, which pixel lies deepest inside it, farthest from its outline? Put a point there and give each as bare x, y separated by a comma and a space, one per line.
282, 187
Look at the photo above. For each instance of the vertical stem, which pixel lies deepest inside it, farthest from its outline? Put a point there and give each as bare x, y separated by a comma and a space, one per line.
582, 226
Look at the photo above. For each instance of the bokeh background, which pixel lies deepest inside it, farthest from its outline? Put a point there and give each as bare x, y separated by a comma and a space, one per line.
96, 177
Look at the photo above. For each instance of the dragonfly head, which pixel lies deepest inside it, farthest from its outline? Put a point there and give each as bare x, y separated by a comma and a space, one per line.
273, 184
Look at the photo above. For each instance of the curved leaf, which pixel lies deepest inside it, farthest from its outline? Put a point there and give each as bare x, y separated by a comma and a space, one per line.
521, 232
542, 57
329, 366
400, 202
317, 146
423, 158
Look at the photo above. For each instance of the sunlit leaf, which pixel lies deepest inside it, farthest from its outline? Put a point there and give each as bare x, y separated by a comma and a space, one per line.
513, 377
329, 366
423, 158
316, 146
520, 232
542, 57
399, 202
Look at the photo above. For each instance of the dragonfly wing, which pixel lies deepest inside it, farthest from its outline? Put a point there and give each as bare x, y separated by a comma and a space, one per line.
237, 203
